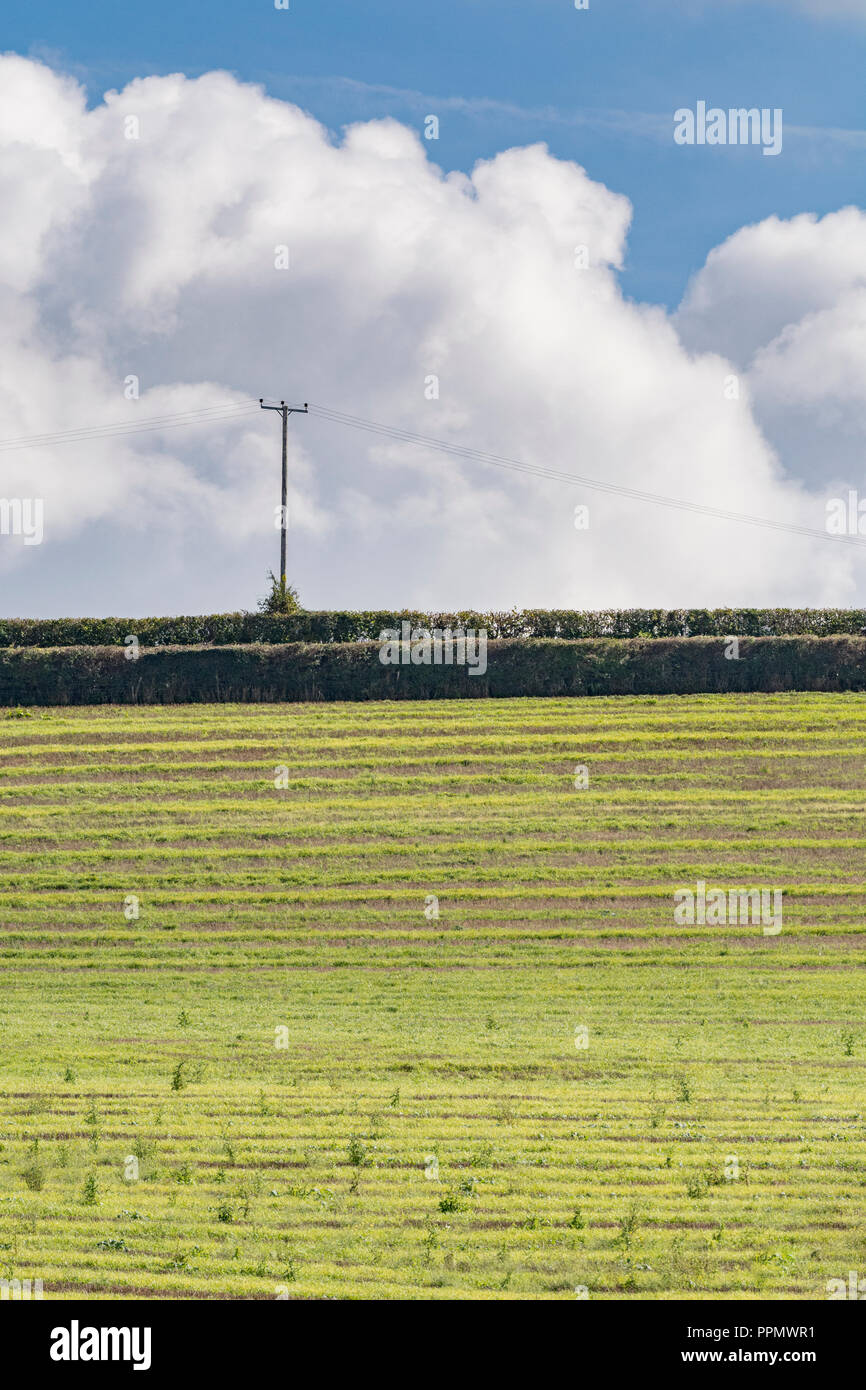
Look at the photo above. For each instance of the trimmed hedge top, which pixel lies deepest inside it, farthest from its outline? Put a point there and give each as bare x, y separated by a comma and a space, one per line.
233, 629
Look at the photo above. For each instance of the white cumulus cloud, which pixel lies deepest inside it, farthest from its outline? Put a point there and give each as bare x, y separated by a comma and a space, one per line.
786, 300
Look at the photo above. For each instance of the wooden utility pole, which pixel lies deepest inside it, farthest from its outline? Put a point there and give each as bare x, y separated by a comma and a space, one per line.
285, 411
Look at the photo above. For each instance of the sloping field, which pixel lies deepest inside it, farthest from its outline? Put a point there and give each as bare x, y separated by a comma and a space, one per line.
284, 1078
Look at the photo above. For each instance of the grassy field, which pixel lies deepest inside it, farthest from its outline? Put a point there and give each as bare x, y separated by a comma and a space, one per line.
284, 1078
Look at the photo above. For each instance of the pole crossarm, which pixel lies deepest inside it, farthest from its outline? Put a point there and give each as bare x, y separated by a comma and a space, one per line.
290, 409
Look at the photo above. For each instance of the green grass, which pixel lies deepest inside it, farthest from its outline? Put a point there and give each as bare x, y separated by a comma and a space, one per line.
308, 1170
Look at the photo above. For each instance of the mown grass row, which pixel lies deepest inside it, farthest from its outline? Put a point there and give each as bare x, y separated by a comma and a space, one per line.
330, 1090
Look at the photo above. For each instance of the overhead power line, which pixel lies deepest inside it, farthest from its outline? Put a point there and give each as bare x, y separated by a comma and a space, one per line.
539, 471
203, 416
240, 409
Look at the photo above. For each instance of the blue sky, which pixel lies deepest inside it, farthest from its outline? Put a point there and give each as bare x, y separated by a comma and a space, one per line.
599, 86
